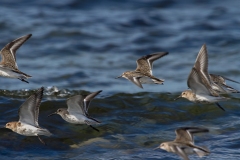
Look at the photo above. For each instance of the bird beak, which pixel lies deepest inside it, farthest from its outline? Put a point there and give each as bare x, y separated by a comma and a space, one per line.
52, 114
156, 148
177, 98
118, 77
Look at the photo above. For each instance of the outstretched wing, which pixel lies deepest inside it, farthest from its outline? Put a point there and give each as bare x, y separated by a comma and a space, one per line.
29, 110
75, 105
221, 79
89, 98
220, 84
8, 53
201, 62
145, 63
195, 83
135, 80
185, 134
180, 152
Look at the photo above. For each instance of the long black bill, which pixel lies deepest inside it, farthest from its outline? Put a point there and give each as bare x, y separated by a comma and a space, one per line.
220, 106
118, 77
52, 114
177, 98
156, 148
94, 128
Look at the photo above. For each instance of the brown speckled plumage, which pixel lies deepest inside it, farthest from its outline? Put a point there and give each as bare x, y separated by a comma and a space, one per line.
8, 65
143, 72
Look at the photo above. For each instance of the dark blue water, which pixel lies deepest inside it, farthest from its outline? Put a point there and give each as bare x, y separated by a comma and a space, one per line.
80, 46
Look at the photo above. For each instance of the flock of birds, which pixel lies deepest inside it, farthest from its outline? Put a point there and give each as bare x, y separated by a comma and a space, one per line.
204, 88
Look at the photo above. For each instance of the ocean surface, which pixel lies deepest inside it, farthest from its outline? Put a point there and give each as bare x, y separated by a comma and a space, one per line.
80, 46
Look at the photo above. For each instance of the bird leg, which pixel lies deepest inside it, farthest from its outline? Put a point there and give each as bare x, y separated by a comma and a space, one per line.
94, 128
23, 80
41, 140
220, 106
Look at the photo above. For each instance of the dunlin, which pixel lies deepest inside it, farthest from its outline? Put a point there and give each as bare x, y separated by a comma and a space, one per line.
203, 89
143, 73
28, 118
221, 81
77, 111
184, 145
8, 65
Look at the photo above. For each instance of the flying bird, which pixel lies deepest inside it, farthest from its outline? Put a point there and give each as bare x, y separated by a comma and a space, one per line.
77, 111
143, 73
28, 118
203, 88
184, 145
8, 64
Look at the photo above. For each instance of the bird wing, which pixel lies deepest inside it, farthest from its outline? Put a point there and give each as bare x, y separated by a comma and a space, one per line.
201, 63
8, 53
145, 63
185, 134
221, 79
180, 152
89, 98
135, 80
195, 83
217, 79
75, 105
29, 110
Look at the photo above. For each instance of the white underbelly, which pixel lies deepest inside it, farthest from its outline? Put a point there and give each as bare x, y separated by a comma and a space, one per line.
208, 99
146, 80
27, 130
8, 73
79, 119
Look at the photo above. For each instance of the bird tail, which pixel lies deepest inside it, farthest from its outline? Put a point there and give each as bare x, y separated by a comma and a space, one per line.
91, 121
201, 151
24, 75
156, 80
44, 132
230, 89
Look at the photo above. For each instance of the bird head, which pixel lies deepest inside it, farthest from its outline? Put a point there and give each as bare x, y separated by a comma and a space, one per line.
12, 125
60, 111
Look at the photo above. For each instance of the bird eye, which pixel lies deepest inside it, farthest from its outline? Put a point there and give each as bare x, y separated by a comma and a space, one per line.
8, 124
59, 110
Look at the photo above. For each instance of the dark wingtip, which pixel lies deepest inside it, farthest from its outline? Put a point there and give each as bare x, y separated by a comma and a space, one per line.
27, 36
163, 53
166, 53
195, 129
97, 92
41, 90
